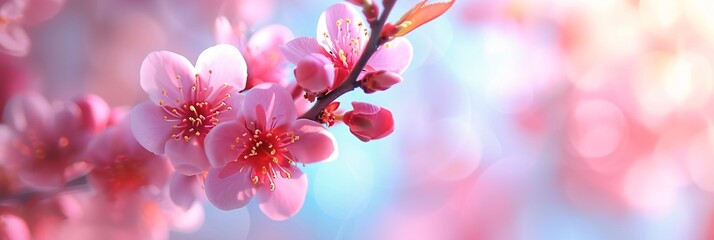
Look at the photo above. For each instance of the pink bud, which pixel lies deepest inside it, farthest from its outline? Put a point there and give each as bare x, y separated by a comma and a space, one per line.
95, 111
380, 81
315, 73
369, 122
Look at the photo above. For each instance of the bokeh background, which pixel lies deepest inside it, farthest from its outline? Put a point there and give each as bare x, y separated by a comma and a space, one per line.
517, 119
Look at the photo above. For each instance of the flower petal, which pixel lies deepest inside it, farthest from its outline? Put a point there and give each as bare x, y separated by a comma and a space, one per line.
287, 198
274, 100
227, 188
297, 48
393, 56
28, 111
221, 144
184, 190
223, 31
149, 127
340, 21
222, 65
187, 157
164, 74
266, 42
14, 41
315, 144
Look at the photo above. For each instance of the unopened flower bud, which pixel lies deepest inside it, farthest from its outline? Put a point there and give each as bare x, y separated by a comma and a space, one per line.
315, 73
369, 122
94, 111
380, 81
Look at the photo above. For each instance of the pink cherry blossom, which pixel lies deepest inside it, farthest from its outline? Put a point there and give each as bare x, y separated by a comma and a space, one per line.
341, 36
186, 103
15, 14
262, 51
43, 142
131, 217
257, 154
121, 166
369, 122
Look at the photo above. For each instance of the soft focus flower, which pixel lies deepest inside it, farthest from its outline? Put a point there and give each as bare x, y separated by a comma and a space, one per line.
261, 52
341, 37
123, 167
43, 141
133, 217
369, 122
13, 227
14, 14
257, 154
186, 103
185, 191
315, 73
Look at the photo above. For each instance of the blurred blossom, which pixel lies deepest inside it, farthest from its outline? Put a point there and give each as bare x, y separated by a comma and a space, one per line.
512, 119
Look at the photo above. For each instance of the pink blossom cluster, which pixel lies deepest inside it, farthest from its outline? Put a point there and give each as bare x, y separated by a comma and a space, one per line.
228, 127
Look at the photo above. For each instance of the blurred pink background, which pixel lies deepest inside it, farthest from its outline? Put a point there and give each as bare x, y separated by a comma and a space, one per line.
517, 119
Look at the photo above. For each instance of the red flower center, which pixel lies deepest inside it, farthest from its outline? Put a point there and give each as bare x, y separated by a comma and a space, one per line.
124, 174
198, 113
265, 152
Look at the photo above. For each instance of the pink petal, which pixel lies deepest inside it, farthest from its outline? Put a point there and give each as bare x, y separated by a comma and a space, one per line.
184, 190
223, 31
299, 47
166, 72
235, 102
222, 65
394, 56
187, 158
13, 227
328, 23
274, 100
28, 111
229, 191
315, 144
221, 145
287, 198
158, 170
266, 42
149, 127
14, 40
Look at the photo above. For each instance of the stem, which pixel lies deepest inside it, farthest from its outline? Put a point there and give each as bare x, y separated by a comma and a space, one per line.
351, 82
76, 184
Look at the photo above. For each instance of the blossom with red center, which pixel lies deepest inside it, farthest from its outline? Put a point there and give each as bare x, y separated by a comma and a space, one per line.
43, 142
187, 102
341, 36
258, 154
121, 166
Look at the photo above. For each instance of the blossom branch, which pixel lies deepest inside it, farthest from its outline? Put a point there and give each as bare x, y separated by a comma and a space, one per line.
351, 82
76, 184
